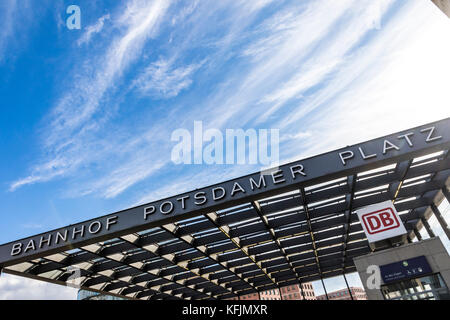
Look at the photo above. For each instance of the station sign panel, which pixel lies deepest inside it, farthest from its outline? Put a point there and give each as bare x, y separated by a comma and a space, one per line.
405, 269
380, 221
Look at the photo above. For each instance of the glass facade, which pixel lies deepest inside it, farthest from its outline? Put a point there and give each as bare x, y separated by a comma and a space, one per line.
430, 287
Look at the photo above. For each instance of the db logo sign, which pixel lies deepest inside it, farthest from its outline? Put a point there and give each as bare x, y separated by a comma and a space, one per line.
380, 221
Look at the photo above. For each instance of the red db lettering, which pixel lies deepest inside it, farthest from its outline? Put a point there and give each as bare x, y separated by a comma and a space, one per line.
374, 222
380, 220
386, 219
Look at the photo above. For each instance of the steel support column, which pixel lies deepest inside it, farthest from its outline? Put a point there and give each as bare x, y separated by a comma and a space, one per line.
408, 237
324, 289
446, 193
441, 220
427, 227
348, 288
301, 291
417, 234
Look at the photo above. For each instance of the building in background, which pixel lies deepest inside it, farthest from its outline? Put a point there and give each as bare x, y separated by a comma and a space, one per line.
91, 295
273, 294
251, 296
292, 292
344, 294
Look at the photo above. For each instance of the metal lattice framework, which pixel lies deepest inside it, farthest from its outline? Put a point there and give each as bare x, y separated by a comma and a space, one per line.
307, 233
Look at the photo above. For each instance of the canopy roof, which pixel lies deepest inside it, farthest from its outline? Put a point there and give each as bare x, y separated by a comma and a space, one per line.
289, 225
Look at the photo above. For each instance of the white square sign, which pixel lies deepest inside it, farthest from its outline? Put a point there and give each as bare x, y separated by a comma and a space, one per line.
380, 221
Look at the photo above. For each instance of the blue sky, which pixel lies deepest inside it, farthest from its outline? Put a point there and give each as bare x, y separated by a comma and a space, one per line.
86, 115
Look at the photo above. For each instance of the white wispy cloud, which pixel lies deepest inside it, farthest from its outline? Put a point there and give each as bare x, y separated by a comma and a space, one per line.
358, 96
382, 88
162, 79
7, 23
295, 136
306, 61
281, 54
77, 134
19, 288
190, 181
124, 176
16, 18
92, 30
326, 59
70, 139
141, 21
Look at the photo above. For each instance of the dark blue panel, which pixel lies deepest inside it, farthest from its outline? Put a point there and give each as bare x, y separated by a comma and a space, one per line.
406, 269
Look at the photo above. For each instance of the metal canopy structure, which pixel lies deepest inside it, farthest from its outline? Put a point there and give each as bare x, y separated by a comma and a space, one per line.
289, 225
